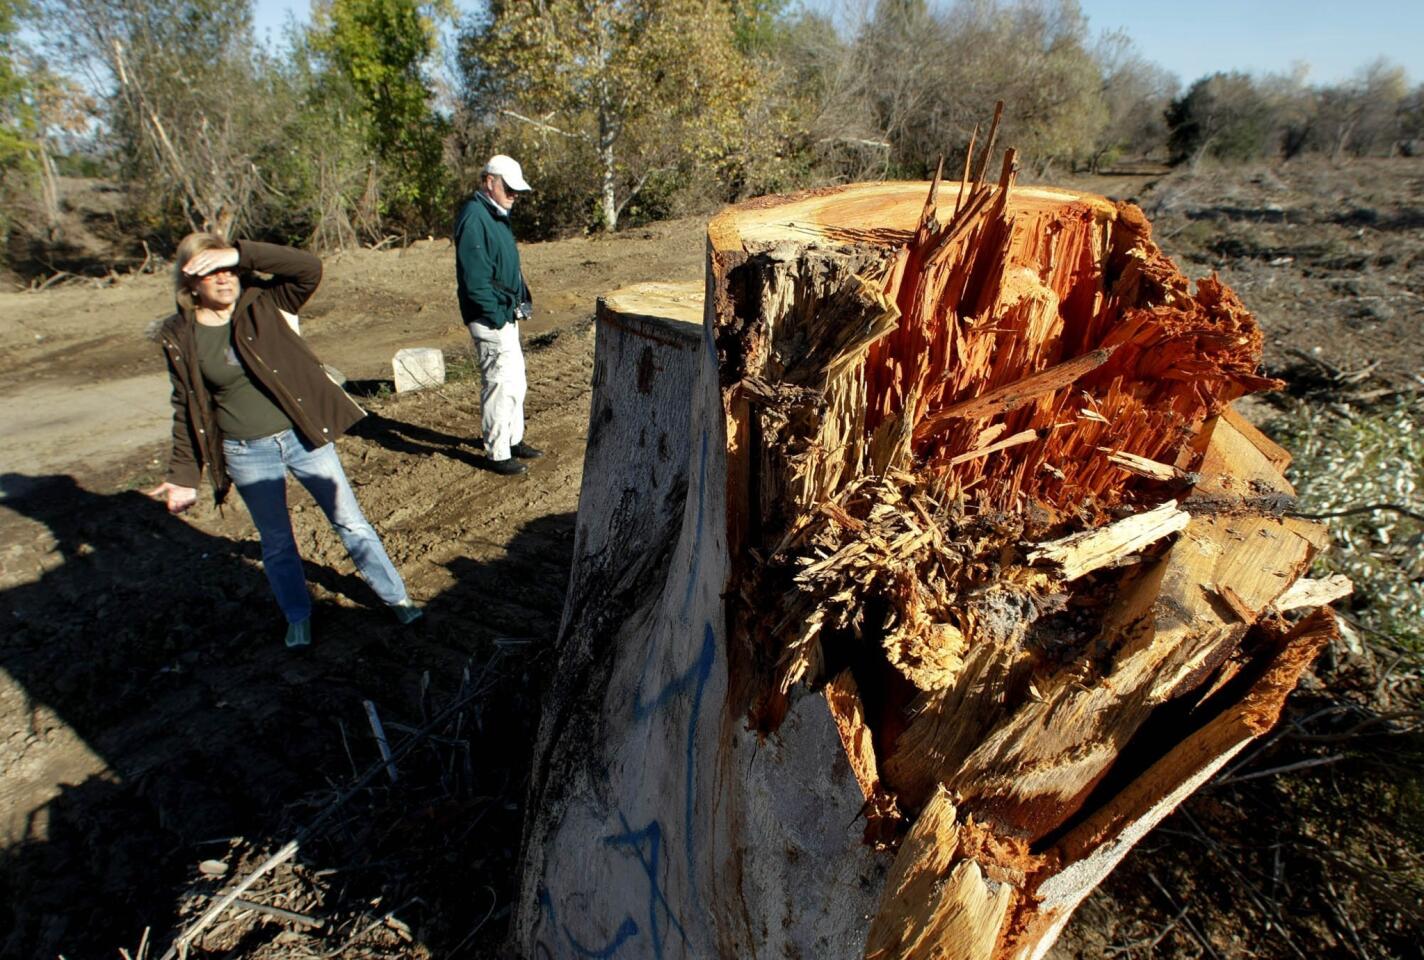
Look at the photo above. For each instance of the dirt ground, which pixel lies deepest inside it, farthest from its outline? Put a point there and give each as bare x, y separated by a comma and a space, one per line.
156, 739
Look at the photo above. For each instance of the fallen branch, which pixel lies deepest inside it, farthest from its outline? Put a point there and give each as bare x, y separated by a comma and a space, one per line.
1286, 768
382, 744
1182, 912
279, 913
1366, 508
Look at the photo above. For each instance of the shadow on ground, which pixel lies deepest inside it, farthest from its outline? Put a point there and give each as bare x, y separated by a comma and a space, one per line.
158, 644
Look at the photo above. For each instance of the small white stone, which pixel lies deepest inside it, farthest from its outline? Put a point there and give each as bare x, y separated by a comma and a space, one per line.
416, 367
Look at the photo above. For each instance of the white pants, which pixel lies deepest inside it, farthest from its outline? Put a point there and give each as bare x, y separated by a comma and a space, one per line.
502, 397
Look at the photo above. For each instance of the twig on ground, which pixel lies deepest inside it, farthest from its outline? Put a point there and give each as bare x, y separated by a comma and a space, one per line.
279, 913
1270, 740
1329, 369
58, 277
1148, 943
494, 902
1335, 906
1360, 728
1286, 768
381, 742
1393, 642
346, 745
1365, 508
399, 752
383, 920
1182, 913
142, 952
1269, 909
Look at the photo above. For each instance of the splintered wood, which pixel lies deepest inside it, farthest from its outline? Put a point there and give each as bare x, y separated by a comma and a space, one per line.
987, 494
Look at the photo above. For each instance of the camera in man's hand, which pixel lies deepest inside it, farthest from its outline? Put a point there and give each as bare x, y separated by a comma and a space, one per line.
524, 311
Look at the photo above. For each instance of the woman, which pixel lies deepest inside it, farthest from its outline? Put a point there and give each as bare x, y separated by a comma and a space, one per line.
251, 402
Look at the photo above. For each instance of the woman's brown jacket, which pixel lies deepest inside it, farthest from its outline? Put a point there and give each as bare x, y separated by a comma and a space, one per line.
273, 354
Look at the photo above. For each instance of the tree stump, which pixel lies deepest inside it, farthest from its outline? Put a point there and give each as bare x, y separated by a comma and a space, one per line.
911, 589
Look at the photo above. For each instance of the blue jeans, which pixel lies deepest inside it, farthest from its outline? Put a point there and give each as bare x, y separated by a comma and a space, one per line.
258, 469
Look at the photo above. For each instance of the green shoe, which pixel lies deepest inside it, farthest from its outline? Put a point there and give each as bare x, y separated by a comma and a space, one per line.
407, 612
299, 634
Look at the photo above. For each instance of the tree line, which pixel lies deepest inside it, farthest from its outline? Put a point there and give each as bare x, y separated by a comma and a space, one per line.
374, 118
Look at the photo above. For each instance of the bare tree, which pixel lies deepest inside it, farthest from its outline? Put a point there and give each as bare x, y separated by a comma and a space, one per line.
922, 74
1135, 93
183, 101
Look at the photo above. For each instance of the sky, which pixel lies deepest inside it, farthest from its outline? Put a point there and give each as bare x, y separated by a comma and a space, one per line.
1192, 38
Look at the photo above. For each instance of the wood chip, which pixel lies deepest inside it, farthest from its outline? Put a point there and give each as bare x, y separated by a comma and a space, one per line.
1082, 553
1306, 592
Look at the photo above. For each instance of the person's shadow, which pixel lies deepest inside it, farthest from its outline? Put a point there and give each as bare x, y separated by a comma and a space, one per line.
399, 436
162, 718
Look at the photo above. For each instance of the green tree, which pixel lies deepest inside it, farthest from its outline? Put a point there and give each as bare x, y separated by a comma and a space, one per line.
1223, 116
325, 177
756, 24
649, 88
17, 119
383, 49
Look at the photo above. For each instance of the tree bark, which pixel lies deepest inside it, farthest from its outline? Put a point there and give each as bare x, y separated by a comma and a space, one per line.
911, 589
49, 190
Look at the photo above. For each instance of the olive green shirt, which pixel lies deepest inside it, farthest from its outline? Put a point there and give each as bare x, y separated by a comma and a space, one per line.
244, 411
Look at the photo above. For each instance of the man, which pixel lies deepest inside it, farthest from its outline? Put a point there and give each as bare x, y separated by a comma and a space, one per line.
493, 299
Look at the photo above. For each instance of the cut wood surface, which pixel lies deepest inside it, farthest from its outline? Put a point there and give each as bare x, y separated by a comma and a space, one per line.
912, 588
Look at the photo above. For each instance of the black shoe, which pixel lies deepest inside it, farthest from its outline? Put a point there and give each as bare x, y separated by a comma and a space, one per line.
508, 468
525, 452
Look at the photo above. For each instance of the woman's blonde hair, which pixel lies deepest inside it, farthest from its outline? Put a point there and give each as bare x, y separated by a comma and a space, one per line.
189, 247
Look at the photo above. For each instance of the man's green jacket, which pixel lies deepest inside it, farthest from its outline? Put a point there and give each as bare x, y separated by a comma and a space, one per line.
487, 272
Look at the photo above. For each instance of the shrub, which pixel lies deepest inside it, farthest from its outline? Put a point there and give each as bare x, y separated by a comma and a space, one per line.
1349, 457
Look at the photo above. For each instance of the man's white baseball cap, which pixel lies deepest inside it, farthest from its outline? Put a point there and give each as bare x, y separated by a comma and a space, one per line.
507, 169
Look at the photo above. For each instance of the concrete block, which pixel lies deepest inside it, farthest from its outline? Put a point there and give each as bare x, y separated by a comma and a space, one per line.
416, 367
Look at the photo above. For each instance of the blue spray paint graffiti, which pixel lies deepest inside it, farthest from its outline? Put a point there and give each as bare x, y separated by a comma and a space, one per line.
646, 844
626, 930
694, 678
650, 837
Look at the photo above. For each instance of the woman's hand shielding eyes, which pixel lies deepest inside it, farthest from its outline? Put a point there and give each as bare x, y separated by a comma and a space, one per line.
205, 262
